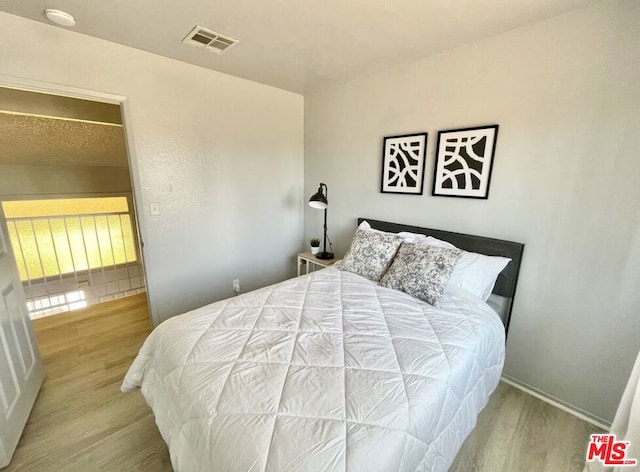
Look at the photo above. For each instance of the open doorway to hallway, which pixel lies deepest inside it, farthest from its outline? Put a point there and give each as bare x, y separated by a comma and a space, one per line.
66, 194
74, 252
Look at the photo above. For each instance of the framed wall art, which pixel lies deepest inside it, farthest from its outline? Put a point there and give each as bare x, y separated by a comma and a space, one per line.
403, 163
464, 161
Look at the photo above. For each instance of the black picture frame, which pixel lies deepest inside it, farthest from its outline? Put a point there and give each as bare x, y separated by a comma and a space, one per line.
399, 173
464, 162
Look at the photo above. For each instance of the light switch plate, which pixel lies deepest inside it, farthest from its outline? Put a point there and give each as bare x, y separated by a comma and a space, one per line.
154, 208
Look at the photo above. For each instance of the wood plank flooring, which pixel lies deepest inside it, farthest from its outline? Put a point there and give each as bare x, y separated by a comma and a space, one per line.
517, 432
82, 423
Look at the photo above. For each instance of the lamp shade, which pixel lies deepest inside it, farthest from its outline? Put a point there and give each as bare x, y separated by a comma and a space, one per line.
318, 200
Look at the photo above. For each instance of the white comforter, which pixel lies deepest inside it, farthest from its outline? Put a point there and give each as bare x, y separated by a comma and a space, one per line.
325, 372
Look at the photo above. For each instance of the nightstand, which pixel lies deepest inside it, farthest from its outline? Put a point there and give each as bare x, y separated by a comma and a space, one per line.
311, 263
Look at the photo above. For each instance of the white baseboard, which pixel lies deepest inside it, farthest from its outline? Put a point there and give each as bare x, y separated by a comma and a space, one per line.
594, 420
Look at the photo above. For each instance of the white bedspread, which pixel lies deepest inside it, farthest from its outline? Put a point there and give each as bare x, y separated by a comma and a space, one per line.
325, 372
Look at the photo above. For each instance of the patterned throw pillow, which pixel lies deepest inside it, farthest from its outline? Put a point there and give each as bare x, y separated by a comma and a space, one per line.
422, 271
371, 253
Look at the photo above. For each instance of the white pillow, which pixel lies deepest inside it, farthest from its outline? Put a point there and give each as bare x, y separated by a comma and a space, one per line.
365, 226
475, 273
412, 237
405, 235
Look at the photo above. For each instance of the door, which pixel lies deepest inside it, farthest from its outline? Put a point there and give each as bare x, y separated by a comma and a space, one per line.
21, 371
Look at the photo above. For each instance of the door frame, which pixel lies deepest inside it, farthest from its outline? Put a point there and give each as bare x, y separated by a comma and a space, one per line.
22, 83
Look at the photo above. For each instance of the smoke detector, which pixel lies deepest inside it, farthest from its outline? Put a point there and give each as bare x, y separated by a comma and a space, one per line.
203, 38
60, 17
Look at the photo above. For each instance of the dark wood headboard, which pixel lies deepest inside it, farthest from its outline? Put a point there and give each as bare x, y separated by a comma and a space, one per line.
507, 280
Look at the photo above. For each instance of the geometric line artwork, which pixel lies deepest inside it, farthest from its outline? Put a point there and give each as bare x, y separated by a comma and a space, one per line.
403, 164
464, 162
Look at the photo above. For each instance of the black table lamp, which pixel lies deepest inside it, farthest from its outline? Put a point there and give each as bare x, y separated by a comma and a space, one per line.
319, 201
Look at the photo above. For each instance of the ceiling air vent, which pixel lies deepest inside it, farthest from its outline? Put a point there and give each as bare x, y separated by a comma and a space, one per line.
203, 38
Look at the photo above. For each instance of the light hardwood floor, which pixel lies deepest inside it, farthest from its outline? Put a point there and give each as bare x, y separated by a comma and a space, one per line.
517, 432
82, 423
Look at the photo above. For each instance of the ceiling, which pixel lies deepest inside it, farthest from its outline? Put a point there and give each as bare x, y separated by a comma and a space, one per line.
300, 45
39, 129
40, 141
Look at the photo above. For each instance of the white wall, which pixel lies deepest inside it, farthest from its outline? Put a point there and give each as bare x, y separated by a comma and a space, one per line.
566, 182
222, 156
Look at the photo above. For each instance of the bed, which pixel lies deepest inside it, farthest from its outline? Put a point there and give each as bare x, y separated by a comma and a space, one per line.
329, 371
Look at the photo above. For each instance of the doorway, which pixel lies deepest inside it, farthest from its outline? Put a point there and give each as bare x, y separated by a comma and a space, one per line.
66, 192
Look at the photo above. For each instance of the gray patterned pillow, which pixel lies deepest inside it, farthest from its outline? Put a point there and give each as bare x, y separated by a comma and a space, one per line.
422, 271
371, 253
